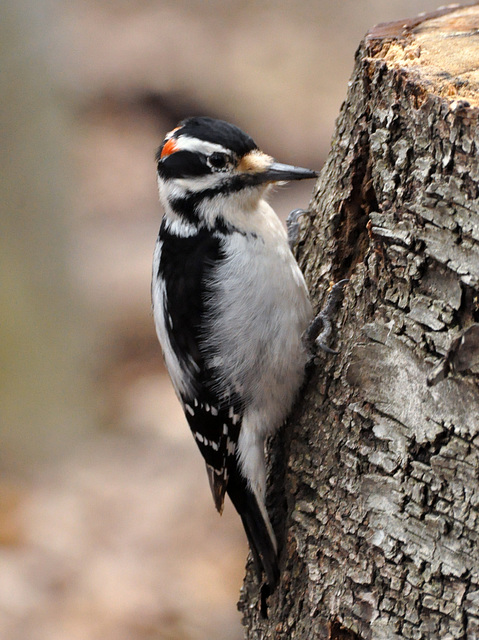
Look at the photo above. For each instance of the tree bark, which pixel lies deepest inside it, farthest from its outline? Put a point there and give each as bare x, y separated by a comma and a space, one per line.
375, 479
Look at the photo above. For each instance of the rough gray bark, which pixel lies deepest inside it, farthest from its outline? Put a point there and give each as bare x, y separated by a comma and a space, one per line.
380, 461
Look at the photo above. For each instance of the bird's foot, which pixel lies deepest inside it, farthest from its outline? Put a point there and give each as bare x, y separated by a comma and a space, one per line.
324, 319
292, 225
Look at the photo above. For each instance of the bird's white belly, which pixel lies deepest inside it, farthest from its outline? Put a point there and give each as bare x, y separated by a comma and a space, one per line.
259, 311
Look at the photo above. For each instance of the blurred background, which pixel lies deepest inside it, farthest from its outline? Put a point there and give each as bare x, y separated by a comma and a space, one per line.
107, 527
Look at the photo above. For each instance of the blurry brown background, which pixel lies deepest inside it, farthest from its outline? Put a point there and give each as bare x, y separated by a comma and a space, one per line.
107, 528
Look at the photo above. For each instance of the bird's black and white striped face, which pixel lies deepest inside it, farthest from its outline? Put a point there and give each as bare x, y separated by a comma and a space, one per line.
208, 167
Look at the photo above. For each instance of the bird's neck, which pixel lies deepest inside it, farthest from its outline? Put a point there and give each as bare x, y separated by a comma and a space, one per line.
245, 212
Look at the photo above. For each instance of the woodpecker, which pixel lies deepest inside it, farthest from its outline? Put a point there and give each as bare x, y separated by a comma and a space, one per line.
231, 309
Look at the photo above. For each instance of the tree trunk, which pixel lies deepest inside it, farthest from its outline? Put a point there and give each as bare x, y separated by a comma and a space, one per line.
379, 464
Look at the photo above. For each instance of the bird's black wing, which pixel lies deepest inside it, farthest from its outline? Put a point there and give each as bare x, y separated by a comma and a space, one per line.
185, 266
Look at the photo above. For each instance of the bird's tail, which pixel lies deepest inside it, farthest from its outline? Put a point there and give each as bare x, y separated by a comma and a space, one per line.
257, 526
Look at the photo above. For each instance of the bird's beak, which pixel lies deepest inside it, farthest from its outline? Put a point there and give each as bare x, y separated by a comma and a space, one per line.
278, 172
258, 168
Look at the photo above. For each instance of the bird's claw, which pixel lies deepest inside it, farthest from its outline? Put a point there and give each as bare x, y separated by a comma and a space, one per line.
292, 225
324, 319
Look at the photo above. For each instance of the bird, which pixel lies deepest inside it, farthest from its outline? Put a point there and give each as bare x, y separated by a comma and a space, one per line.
231, 310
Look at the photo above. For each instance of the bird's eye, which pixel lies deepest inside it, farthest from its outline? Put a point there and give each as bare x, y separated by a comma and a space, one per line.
219, 161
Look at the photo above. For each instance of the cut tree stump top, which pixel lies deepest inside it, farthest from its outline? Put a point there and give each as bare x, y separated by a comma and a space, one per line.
441, 49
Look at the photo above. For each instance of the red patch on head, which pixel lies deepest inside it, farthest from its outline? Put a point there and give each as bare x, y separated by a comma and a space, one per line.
169, 147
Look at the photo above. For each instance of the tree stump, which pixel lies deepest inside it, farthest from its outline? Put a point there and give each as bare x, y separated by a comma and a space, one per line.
379, 515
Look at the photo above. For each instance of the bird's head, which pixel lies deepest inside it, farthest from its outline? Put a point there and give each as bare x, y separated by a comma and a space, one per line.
209, 168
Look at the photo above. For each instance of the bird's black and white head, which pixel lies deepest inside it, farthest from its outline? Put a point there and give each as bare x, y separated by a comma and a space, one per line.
210, 173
